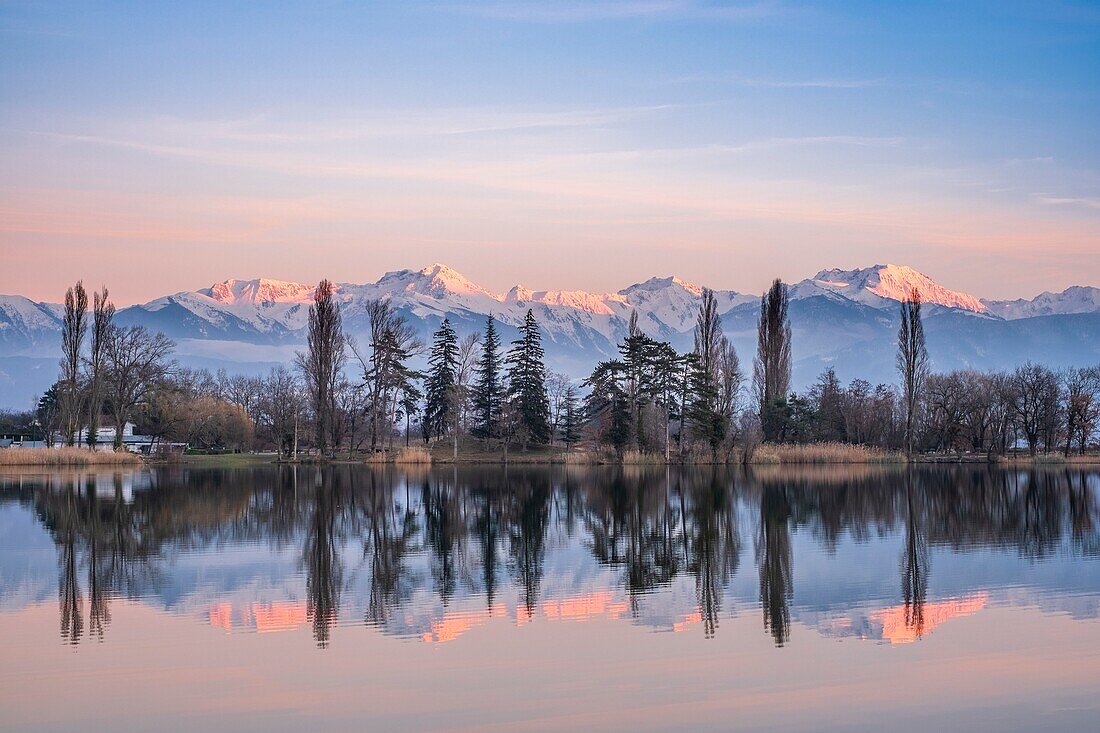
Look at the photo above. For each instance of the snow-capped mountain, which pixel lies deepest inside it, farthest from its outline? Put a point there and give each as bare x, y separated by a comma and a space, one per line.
22, 318
1077, 299
883, 285
843, 318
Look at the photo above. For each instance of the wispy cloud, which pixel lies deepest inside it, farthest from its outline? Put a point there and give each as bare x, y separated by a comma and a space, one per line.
1083, 201
577, 11
812, 83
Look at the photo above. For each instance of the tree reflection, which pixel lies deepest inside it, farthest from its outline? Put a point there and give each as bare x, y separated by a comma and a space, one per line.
71, 601
526, 536
392, 530
324, 572
914, 577
442, 525
774, 558
714, 545
417, 529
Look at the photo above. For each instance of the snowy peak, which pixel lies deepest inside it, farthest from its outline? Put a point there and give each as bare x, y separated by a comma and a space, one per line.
435, 280
259, 291
572, 299
657, 284
893, 282
1076, 299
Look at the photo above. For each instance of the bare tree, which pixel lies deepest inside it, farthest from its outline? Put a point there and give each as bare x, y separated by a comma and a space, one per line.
1034, 393
730, 381
244, 391
469, 351
281, 407
912, 361
557, 385
393, 342
772, 368
74, 326
323, 361
136, 361
103, 311
1082, 391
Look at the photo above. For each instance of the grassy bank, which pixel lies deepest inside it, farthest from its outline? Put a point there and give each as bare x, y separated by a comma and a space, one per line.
1049, 459
66, 457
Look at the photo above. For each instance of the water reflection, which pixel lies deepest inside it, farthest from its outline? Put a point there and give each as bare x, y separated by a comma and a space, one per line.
432, 553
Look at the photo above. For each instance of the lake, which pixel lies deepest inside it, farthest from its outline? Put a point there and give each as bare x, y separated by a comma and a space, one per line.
550, 599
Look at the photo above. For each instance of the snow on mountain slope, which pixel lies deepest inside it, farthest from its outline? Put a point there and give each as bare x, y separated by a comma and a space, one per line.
268, 311
1076, 299
19, 313
260, 291
875, 285
846, 318
665, 303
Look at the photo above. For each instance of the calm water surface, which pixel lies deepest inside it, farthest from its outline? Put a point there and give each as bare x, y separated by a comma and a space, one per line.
550, 599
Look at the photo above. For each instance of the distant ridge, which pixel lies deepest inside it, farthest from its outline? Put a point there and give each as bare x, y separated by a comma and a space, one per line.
843, 318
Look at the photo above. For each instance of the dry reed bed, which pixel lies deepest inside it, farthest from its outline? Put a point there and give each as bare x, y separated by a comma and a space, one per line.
65, 457
822, 453
413, 454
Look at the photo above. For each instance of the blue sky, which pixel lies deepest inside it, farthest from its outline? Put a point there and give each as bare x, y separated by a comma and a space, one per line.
159, 147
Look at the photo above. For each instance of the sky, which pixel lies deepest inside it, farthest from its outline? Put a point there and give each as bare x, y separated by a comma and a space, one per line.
158, 147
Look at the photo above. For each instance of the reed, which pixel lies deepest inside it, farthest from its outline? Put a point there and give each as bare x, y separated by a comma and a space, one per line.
66, 457
638, 458
413, 454
771, 453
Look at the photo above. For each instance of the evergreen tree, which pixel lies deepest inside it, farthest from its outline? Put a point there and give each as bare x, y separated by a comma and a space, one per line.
487, 390
527, 382
442, 366
571, 419
638, 354
608, 403
708, 421
664, 387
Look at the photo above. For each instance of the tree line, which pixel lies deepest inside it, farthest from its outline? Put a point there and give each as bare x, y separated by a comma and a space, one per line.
342, 396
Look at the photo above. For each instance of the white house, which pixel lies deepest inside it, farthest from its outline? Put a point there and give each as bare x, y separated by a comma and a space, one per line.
131, 441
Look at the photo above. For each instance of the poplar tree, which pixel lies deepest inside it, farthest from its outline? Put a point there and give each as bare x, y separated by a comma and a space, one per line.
442, 368
527, 382
73, 328
772, 370
912, 361
488, 392
323, 361
103, 311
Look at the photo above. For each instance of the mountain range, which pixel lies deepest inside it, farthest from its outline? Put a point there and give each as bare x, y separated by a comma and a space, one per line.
844, 318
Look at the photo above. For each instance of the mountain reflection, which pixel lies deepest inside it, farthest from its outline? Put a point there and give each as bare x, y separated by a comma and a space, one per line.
432, 553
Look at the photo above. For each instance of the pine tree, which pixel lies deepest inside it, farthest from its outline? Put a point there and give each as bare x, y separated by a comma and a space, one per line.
608, 403
708, 421
527, 382
666, 365
571, 419
638, 356
442, 365
487, 391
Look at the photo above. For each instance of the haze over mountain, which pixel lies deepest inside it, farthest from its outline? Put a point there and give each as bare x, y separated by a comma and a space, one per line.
843, 318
